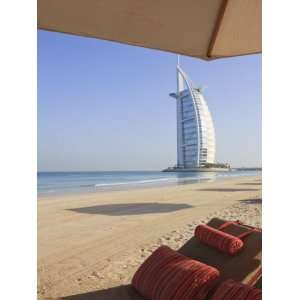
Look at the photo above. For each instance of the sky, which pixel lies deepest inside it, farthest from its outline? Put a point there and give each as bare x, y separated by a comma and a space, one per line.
106, 106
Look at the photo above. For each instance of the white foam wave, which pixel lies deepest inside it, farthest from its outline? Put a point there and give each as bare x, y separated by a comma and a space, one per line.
136, 182
149, 181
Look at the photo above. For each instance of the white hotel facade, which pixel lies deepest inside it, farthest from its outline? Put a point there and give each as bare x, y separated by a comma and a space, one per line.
196, 143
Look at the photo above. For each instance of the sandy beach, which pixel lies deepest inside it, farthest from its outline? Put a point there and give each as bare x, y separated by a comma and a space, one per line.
96, 241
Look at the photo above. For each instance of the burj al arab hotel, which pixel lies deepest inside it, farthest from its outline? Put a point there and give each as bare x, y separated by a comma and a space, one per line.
196, 145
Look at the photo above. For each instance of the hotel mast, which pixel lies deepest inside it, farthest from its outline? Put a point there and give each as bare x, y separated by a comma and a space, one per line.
195, 130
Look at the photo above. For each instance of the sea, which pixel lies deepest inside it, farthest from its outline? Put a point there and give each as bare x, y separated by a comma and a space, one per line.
61, 183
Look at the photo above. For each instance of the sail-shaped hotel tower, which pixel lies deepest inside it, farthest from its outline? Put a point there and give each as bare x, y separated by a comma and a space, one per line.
196, 146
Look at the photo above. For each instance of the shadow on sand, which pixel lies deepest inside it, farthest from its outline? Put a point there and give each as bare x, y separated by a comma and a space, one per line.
228, 190
130, 208
123, 292
251, 201
249, 183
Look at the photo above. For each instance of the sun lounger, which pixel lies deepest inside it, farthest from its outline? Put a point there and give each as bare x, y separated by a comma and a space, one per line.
243, 267
169, 275
232, 290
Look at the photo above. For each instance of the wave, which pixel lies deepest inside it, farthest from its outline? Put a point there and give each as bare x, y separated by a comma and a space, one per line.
149, 181
135, 182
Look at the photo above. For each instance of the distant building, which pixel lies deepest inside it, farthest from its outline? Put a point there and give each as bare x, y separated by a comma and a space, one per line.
196, 144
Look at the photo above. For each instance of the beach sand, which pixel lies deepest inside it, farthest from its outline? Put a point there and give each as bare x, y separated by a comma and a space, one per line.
97, 241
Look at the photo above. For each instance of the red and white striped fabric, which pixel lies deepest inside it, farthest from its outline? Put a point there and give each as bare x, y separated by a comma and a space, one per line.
168, 275
218, 239
231, 290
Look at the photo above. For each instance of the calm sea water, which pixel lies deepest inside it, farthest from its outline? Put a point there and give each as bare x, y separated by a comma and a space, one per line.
52, 183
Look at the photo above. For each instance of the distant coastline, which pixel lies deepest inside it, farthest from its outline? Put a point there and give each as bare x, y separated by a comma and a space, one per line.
248, 169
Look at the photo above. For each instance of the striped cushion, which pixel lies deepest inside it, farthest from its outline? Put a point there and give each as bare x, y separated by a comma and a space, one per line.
168, 275
220, 240
231, 290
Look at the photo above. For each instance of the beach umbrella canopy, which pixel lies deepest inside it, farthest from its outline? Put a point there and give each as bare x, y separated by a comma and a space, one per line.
205, 29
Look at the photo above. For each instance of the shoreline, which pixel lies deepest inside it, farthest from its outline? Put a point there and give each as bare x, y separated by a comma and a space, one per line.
144, 187
96, 242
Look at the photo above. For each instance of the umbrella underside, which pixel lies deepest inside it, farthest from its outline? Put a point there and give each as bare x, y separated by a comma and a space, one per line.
205, 29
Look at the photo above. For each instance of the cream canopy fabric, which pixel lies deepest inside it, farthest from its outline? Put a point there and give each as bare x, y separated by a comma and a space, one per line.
205, 29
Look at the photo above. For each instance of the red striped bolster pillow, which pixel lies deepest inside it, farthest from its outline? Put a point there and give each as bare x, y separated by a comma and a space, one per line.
220, 240
168, 275
231, 290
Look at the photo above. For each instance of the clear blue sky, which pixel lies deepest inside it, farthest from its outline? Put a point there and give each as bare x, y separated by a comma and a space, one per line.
105, 106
